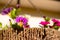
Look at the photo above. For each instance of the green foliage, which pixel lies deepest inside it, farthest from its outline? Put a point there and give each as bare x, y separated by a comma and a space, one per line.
56, 27
46, 26
0, 25
10, 22
13, 13
47, 19
18, 11
16, 27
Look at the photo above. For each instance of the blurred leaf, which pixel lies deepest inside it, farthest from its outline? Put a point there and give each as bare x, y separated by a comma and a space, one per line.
10, 22
0, 25
56, 27
16, 27
45, 26
18, 11
13, 13
47, 19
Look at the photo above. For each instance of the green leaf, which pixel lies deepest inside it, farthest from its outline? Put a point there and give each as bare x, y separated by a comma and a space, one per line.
47, 19
13, 13
16, 27
10, 22
0, 25
46, 26
56, 27
18, 11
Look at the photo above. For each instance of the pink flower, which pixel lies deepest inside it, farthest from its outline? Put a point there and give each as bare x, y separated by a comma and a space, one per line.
55, 20
58, 24
44, 23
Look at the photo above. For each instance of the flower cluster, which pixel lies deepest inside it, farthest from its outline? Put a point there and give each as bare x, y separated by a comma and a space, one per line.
10, 12
19, 22
56, 23
46, 22
22, 22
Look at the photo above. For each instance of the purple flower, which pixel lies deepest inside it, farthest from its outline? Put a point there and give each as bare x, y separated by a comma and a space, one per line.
25, 20
21, 19
18, 19
44, 23
6, 11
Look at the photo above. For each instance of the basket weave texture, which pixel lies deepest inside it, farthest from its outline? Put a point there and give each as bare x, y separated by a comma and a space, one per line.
30, 34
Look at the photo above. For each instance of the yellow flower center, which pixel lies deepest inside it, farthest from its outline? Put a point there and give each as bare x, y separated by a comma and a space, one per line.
9, 14
20, 24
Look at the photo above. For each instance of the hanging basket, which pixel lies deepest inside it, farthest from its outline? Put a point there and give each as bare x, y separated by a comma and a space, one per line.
30, 33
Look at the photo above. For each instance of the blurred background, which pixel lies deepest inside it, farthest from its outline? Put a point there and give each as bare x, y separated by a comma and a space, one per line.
50, 8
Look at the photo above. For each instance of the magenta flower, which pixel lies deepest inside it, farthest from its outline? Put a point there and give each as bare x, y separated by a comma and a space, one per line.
6, 11
19, 19
58, 24
55, 20
44, 23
